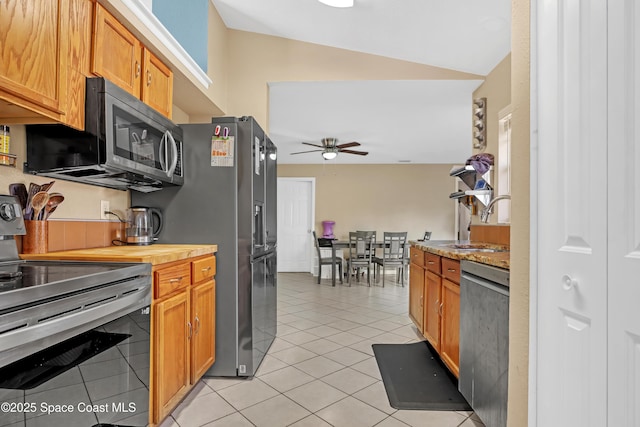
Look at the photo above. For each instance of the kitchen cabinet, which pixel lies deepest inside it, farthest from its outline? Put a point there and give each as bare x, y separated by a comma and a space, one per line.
450, 329
434, 293
416, 287
450, 322
183, 315
432, 309
121, 58
44, 60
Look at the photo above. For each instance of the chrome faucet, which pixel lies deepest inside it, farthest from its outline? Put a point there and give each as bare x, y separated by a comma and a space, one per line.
484, 215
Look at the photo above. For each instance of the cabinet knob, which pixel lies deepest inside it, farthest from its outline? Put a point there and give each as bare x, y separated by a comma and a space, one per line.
568, 282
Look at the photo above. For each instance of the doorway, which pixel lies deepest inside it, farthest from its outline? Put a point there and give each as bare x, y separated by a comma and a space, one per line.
296, 216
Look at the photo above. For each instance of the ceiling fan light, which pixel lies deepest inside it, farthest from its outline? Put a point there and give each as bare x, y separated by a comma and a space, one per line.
337, 3
329, 155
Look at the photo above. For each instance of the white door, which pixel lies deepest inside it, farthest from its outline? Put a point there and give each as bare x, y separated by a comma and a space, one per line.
295, 222
571, 348
624, 213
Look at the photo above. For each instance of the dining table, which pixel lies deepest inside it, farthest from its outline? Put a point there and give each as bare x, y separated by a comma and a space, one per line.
343, 244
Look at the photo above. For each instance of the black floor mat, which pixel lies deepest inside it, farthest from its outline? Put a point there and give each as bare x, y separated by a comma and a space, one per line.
415, 378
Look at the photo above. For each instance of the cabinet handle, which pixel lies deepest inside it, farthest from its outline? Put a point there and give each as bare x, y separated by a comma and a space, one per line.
421, 297
451, 270
436, 305
137, 69
197, 325
148, 78
190, 329
174, 280
440, 311
206, 269
430, 262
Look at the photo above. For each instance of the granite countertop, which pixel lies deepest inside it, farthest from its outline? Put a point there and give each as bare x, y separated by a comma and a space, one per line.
153, 254
443, 248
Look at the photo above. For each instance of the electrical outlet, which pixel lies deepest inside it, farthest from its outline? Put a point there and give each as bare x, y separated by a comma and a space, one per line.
104, 206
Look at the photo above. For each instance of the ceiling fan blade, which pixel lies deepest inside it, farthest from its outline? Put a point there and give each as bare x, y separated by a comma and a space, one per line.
361, 153
313, 145
348, 144
310, 151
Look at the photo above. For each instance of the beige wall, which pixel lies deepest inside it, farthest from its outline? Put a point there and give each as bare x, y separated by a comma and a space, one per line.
497, 89
520, 224
258, 59
81, 201
412, 198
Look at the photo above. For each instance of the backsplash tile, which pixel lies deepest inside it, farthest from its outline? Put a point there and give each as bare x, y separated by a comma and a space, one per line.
69, 235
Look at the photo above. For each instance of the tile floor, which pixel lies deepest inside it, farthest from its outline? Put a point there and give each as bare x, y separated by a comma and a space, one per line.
320, 370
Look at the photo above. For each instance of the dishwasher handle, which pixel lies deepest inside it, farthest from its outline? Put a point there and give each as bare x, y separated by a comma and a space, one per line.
485, 283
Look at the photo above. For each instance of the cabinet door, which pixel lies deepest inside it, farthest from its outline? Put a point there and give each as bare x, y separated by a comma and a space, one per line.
171, 368
450, 334
203, 303
117, 54
33, 57
432, 310
416, 294
157, 85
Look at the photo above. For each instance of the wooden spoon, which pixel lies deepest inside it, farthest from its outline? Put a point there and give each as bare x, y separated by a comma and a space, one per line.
54, 200
38, 202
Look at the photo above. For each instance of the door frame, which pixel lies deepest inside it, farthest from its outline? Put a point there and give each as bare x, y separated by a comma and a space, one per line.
312, 181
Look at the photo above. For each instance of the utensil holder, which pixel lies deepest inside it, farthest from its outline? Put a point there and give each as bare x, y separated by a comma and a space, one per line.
36, 241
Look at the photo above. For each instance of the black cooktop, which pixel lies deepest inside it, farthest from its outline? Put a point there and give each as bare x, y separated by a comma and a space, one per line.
24, 282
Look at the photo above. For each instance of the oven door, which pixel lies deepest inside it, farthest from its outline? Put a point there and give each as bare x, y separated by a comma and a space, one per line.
98, 377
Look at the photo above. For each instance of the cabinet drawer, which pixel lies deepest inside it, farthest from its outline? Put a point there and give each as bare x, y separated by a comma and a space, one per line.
432, 261
417, 256
451, 269
171, 279
203, 269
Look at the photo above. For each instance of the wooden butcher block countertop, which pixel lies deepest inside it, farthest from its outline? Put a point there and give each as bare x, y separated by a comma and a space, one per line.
153, 254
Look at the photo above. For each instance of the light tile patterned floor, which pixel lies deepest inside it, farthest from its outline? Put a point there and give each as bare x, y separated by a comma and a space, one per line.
320, 370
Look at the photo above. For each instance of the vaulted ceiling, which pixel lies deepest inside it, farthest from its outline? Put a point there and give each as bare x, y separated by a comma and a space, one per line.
424, 121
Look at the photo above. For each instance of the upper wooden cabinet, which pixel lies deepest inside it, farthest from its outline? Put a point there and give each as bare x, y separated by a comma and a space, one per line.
117, 54
45, 58
157, 85
120, 57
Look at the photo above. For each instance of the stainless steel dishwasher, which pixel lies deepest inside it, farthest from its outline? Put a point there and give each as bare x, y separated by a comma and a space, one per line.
484, 340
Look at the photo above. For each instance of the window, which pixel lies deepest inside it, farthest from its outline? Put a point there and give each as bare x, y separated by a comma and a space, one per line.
504, 163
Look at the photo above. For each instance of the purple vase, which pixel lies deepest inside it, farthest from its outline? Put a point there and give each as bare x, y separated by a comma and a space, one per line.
327, 229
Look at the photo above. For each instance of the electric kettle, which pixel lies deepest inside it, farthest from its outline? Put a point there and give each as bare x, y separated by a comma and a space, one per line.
143, 225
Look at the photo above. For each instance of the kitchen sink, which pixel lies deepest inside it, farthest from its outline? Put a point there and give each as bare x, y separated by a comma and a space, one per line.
475, 248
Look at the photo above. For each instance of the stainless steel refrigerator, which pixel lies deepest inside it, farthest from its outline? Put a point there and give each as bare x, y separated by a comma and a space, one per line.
229, 198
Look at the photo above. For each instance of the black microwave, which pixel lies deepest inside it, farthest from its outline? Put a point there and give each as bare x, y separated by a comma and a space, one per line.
125, 145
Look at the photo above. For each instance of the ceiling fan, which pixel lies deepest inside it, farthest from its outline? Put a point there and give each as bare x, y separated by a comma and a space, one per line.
330, 148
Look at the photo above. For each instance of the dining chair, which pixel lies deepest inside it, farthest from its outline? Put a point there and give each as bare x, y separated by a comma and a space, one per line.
371, 235
360, 254
394, 255
326, 260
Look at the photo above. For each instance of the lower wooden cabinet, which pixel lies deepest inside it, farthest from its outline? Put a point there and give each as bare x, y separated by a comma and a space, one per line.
183, 331
434, 303
416, 294
171, 352
203, 340
450, 331
432, 309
